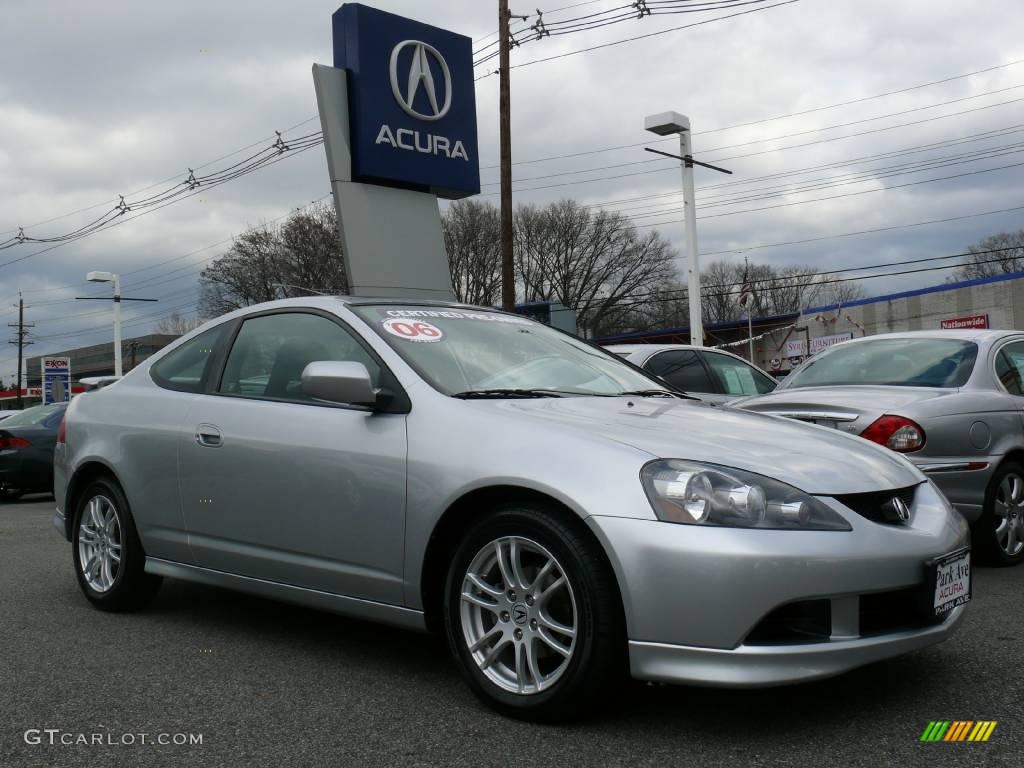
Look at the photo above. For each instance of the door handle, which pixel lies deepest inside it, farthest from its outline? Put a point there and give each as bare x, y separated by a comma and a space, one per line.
208, 436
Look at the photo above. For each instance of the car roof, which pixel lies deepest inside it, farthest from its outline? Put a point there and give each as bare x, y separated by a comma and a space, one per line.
629, 349
977, 335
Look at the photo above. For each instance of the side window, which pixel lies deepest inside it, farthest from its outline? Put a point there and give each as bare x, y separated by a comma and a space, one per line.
737, 377
270, 353
682, 369
1010, 367
185, 368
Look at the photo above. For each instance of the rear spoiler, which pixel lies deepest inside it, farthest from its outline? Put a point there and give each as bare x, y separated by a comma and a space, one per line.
97, 382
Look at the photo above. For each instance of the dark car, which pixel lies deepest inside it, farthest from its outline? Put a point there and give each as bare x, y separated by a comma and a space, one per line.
26, 450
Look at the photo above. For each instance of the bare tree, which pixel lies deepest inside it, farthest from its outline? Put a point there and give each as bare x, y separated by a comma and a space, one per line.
265, 263
472, 237
776, 290
997, 254
178, 325
594, 262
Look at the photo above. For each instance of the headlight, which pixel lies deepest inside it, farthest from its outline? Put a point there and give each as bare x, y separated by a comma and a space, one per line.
705, 494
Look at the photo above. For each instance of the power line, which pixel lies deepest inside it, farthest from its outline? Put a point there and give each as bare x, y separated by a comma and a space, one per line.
786, 136
163, 181
119, 221
759, 121
641, 37
675, 167
744, 249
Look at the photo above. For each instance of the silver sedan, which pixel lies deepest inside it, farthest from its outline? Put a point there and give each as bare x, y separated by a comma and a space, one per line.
950, 401
557, 514
711, 374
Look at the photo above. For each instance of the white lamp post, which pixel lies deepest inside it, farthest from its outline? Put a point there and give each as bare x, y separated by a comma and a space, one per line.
112, 277
666, 124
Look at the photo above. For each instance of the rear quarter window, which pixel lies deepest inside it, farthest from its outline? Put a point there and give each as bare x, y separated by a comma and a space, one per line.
186, 368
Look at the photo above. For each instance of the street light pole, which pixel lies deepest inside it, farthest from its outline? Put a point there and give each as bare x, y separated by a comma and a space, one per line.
118, 368
692, 253
667, 124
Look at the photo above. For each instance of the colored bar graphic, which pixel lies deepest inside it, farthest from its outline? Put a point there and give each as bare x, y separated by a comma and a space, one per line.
935, 730
958, 730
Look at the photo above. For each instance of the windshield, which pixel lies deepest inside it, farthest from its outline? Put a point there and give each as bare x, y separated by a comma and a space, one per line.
940, 363
460, 351
32, 416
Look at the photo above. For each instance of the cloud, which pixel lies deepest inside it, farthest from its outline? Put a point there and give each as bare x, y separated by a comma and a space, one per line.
106, 98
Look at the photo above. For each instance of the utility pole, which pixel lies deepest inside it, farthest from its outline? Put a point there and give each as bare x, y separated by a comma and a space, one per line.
508, 287
21, 333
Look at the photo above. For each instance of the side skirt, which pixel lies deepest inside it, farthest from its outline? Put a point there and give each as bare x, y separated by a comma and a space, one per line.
406, 618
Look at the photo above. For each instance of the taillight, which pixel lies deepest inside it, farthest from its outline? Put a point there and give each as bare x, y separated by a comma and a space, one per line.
11, 443
62, 431
896, 433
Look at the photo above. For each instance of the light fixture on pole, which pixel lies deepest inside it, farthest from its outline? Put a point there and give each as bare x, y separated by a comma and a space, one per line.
112, 277
667, 124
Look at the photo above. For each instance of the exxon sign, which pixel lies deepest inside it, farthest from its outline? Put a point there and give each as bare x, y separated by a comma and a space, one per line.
412, 105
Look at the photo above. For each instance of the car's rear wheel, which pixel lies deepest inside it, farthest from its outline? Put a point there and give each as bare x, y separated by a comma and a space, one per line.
533, 615
108, 556
1000, 529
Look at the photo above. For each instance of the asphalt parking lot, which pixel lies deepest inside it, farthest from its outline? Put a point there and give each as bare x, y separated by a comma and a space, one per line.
271, 684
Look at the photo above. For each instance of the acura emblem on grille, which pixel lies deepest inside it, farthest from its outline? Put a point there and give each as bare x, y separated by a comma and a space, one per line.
902, 510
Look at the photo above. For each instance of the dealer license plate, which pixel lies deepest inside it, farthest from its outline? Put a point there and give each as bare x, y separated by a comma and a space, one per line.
950, 577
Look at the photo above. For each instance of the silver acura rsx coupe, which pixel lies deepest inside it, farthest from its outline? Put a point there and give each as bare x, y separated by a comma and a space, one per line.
556, 512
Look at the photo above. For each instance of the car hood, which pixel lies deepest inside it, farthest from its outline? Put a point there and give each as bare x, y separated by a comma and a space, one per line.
814, 459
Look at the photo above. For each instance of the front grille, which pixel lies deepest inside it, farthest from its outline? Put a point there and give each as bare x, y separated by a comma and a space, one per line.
903, 609
806, 621
877, 505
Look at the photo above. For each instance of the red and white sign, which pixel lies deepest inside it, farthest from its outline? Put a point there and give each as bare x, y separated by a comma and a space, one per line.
412, 330
958, 323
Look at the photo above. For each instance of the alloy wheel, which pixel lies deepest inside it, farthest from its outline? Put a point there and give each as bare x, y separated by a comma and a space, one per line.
1009, 514
518, 615
99, 543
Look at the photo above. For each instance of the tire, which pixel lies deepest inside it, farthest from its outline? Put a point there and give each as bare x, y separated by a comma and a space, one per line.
111, 585
517, 629
999, 532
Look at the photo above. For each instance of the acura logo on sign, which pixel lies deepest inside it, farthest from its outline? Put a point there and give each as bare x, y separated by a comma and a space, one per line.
421, 77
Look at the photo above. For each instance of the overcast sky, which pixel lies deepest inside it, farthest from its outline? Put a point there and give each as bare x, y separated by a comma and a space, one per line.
104, 98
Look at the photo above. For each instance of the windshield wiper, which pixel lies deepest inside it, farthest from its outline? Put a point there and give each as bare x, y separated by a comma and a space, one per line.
484, 393
657, 393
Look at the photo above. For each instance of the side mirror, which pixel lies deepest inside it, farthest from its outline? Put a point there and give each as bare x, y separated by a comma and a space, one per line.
339, 382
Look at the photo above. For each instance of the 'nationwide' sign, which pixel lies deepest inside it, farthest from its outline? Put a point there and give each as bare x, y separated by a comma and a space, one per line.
958, 323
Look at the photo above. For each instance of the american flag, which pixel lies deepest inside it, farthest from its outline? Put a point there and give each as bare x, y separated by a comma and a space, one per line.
747, 291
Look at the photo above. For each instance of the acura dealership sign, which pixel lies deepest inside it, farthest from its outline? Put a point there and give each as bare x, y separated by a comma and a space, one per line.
411, 100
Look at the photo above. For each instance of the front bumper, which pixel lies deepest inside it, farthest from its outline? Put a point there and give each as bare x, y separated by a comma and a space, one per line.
753, 666
693, 596
963, 481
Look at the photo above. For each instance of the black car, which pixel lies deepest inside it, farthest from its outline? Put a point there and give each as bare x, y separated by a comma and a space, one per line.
27, 440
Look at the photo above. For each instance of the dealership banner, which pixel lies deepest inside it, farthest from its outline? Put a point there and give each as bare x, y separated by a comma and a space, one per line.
56, 380
798, 348
958, 323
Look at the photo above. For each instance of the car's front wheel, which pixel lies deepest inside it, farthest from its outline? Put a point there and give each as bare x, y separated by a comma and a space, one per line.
1000, 529
533, 615
108, 556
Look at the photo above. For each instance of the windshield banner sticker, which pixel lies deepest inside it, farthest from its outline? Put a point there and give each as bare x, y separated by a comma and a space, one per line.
413, 330
491, 317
